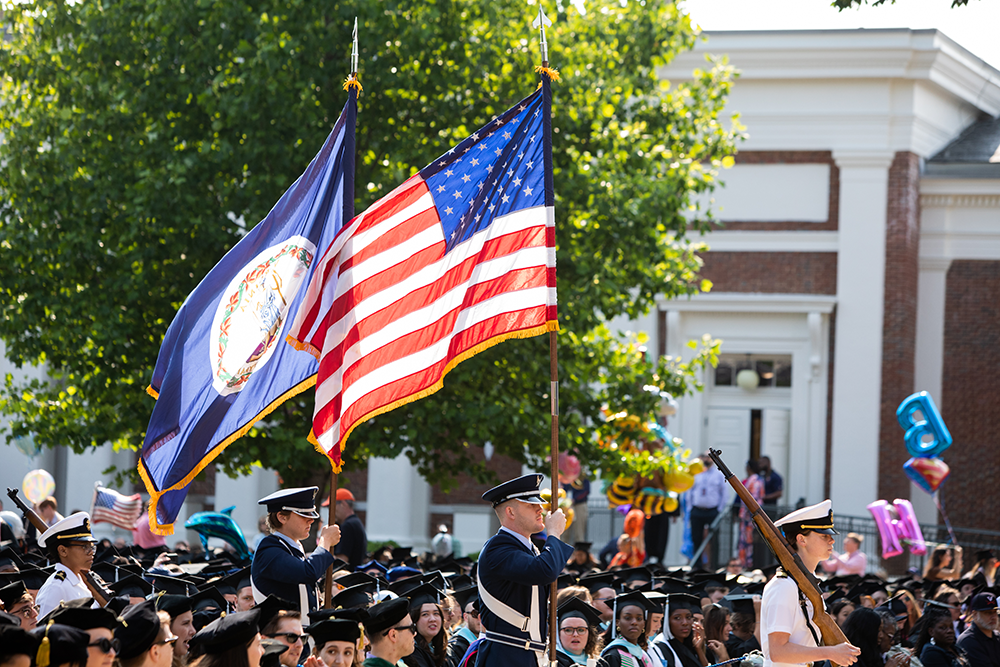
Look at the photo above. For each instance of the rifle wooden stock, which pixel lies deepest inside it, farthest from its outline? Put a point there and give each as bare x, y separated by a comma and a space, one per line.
790, 561
93, 582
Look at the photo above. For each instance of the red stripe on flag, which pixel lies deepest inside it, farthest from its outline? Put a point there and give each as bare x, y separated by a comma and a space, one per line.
504, 323
423, 297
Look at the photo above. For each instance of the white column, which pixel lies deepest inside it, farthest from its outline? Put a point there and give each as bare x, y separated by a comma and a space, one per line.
929, 366
398, 504
857, 373
819, 343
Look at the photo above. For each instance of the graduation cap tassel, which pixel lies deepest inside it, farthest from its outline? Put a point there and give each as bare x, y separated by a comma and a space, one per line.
42, 657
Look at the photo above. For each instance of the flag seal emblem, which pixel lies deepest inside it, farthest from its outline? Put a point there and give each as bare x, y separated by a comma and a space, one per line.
253, 309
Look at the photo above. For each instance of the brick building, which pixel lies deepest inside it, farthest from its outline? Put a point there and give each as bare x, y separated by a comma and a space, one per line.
858, 262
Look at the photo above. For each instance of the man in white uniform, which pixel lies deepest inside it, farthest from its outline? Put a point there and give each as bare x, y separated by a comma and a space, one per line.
787, 636
71, 543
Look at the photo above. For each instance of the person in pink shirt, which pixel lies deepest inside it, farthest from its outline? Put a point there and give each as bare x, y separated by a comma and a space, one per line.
852, 561
143, 537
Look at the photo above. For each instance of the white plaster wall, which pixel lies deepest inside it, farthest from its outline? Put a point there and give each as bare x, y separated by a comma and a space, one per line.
772, 193
398, 505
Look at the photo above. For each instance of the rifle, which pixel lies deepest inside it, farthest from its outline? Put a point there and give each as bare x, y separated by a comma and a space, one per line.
790, 561
93, 582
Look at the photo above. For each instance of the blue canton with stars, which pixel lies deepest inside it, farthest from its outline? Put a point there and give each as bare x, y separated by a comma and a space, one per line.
496, 171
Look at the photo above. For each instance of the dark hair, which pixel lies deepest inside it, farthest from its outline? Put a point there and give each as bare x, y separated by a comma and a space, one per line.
715, 621
234, 657
273, 625
742, 623
754, 466
642, 641
438, 644
594, 644
933, 616
838, 606
934, 563
791, 532
862, 628
273, 524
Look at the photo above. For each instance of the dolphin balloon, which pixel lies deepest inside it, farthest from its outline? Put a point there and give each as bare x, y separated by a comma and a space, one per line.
222, 526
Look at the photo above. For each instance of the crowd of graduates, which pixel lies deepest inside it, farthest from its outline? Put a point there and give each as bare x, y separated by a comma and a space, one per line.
178, 608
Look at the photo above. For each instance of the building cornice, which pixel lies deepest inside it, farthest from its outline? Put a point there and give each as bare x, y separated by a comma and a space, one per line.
750, 302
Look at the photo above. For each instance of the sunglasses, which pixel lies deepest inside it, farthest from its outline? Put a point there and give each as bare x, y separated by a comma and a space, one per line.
290, 636
411, 627
106, 645
169, 640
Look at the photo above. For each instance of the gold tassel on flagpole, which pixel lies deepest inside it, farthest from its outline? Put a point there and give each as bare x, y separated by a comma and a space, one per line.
550, 72
352, 82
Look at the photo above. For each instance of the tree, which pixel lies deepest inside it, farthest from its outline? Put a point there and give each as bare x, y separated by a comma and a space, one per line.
141, 136
841, 5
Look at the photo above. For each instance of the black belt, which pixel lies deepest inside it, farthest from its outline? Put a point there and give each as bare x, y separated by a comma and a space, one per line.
516, 642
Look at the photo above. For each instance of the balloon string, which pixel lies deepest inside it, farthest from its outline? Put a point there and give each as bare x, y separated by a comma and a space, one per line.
947, 523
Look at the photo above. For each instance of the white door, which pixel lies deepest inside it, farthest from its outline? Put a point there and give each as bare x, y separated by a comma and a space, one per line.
728, 430
775, 442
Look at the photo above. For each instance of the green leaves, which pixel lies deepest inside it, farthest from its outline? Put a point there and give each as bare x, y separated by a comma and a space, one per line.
141, 139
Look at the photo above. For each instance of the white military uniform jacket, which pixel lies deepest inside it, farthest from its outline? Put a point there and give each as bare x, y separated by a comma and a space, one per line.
62, 585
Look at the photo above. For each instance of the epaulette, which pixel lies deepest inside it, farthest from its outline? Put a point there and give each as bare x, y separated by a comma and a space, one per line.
60, 575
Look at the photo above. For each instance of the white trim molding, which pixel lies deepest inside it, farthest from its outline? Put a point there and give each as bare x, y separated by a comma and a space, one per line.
771, 241
750, 302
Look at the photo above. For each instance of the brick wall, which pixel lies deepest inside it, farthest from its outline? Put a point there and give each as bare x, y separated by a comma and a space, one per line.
970, 402
773, 272
792, 157
899, 326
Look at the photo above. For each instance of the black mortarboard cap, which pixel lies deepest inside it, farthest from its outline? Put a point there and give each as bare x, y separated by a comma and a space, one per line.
385, 615
683, 601
524, 488
207, 599
65, 644
33, 578
671, 585
848, 579
634, 574
272, 652
300, 500
582, 546
175, 605
740, 604
635, 598
17, 641
596, 582
173, 585
657, 599
355, 579
10, 557
81, 614
835, 595
269, 607
770, 570
895, 606
228, 632
9, 619
423, 594
137, 630
577, 608
334, 630
399, 554
863, 588
11, 593
756, 588
355, 596
118, 604
566, 580
714, 580
132, 586
435, 579
465, 595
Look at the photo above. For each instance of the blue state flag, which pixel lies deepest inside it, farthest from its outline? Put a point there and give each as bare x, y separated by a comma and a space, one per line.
223, 364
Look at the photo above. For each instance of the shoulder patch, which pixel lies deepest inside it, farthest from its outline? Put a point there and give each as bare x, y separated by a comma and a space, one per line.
60, 575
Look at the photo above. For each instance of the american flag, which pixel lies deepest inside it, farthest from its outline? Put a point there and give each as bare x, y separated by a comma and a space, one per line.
114, 508
458, 258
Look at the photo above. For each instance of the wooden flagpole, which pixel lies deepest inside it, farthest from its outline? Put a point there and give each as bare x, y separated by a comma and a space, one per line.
331, 517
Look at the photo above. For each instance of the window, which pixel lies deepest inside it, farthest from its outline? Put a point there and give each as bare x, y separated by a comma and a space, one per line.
773, 370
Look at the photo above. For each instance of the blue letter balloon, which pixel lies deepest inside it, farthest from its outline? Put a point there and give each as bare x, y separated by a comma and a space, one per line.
931, 425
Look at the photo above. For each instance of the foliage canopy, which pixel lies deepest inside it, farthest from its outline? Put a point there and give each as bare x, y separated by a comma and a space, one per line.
141, 137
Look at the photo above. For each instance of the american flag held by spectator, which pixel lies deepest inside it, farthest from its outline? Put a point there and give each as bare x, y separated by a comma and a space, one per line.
114, 508
458, 258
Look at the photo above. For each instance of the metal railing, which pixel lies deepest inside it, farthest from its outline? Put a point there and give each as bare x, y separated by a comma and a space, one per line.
604, 524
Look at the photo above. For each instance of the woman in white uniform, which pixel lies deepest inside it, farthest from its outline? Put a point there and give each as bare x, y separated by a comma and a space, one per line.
788, 635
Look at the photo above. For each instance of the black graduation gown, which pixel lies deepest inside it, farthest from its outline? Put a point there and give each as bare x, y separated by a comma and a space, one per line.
421, 657
687, 655
737, 648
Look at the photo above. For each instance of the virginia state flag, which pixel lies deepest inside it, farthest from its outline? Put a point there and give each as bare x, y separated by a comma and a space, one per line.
223, 364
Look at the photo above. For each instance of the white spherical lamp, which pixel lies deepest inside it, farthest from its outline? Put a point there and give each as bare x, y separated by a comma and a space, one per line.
747, 379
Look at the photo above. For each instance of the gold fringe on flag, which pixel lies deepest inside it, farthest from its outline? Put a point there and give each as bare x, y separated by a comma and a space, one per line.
553, 74
352, 82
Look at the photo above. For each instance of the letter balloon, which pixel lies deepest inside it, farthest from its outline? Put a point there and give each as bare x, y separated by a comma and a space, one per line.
931, 425
897, 524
